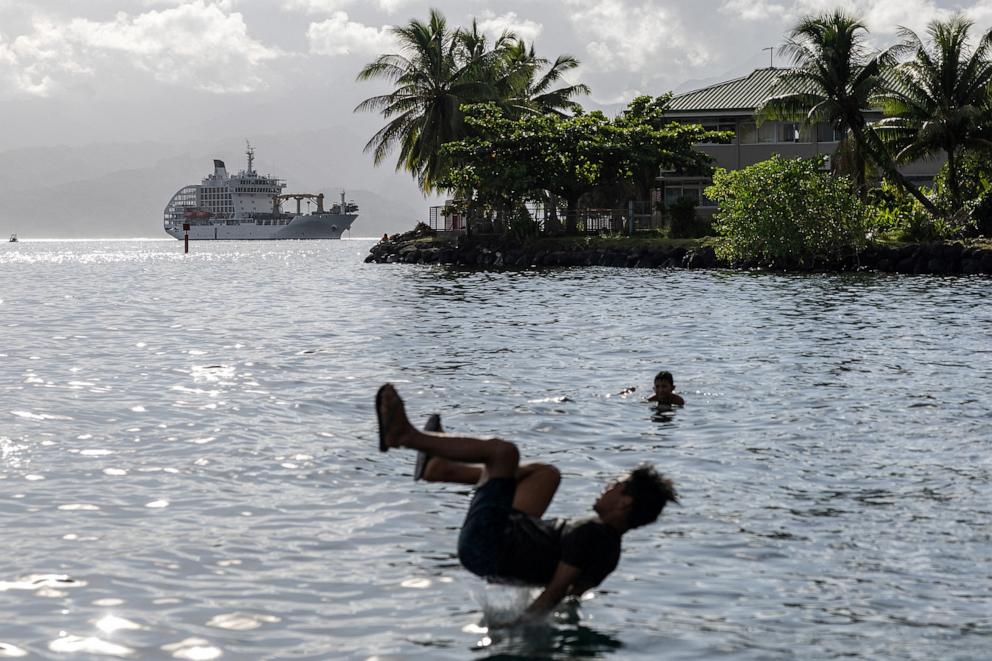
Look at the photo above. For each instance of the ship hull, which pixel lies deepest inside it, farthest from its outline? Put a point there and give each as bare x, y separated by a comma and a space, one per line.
311, 226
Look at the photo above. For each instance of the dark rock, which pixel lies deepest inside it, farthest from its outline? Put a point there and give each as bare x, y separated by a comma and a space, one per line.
943, 258
986, 266
906, 260
703, 258
649, 260
971, 262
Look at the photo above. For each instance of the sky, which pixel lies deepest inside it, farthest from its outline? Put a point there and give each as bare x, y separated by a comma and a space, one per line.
183, 76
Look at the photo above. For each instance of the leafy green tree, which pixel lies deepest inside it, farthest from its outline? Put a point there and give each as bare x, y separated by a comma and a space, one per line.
787, 212
508, 160
643, 117
833, 79
939, 100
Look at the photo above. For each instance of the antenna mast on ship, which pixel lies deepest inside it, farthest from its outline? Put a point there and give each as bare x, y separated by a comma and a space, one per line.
251, 157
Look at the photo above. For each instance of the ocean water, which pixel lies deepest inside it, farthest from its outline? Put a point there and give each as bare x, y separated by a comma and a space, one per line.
188, 463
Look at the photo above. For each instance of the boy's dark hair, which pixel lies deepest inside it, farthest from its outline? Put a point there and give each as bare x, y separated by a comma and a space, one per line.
665, 376
650, 491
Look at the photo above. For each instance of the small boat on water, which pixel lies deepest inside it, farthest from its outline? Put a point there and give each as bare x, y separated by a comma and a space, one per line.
12, 239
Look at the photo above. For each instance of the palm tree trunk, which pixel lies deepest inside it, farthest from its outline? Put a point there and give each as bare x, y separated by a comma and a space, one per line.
952, 172
873, 146
572, 214
860, 178
553, 224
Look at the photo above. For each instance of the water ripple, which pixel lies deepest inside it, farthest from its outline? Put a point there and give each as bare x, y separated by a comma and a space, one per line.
188, 464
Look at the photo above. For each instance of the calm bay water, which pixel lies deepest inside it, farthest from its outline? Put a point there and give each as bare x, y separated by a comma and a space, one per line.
188, 464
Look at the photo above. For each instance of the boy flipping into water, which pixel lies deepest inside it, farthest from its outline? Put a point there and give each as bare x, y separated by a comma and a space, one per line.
504, 537
664, 390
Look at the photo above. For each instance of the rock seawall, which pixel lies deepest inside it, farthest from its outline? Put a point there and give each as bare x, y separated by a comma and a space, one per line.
936, 258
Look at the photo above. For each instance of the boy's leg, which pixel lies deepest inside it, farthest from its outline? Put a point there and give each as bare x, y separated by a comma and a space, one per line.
500, 458
536, 486
439, 469
536, 482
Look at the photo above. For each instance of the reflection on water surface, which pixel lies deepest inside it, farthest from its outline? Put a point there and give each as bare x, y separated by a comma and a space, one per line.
188, 465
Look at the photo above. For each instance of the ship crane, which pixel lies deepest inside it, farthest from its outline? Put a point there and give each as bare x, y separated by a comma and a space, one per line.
299, 197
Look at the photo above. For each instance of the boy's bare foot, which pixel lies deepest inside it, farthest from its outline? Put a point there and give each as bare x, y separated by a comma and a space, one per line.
393, 423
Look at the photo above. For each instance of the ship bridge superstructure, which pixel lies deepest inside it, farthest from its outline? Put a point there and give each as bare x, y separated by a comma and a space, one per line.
221, 197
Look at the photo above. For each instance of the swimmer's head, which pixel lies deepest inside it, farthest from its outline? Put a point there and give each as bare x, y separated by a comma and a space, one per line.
664, 384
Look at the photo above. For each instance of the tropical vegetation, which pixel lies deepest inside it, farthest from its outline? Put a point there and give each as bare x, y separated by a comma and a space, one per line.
834, 79
500, 129
787, 212
507, 162
938, 101
439, 70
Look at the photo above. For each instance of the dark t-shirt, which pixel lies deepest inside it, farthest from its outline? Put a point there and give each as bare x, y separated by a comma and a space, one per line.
533, 548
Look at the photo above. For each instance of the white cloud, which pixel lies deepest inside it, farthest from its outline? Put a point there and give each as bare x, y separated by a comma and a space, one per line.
33, 63
633, 36
333, 6
318, 6
753, 10
883, 17
340, 36
194, 44
524, 29
981, 13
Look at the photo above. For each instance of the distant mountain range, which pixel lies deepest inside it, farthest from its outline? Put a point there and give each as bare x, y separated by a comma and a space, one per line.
119, 190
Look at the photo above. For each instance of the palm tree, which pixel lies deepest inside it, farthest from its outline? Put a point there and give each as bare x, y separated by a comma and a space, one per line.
833, 79
433, 76
937, 101
524, 89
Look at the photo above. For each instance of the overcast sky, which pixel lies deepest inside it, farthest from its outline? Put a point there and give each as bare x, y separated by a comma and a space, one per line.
75, 72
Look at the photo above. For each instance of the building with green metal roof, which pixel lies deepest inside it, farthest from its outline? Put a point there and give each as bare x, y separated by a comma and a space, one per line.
731, 106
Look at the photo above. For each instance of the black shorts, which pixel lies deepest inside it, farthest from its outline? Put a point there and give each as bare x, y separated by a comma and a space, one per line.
480, 543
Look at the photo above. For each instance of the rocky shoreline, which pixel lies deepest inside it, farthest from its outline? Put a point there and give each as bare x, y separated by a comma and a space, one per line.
421, 247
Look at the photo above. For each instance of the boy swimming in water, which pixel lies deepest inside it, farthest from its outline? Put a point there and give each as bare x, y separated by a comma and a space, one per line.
664, 390
504, 537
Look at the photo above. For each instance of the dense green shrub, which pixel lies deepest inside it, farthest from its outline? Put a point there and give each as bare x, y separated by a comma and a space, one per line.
975, 182
521, 225
897, 215
981, 215
788, 213
684, 223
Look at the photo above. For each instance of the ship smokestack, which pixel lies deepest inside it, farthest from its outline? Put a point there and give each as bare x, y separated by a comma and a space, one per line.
219, 169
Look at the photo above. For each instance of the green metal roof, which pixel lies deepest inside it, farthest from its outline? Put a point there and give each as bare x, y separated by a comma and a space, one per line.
738, 94
747, 93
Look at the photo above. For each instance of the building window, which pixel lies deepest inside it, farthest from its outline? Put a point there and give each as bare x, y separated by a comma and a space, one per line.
770, 133
788, 132
691, 190
827, 133
722, 124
